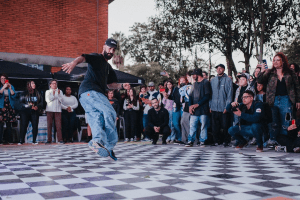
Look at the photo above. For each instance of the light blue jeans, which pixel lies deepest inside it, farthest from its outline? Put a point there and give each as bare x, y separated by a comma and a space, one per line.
176, 116
282, 106
171, 125
101, 117
194, 120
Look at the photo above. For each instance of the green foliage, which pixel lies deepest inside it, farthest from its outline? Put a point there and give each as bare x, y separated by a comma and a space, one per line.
151, 72
292, 51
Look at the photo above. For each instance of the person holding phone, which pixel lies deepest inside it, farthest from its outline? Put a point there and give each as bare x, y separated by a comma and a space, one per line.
7, 112
282, 93
291, 141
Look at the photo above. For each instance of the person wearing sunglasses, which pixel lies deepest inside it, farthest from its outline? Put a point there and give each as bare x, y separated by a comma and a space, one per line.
252, 118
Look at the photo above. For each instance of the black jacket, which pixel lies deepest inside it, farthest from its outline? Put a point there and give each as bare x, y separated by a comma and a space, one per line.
160, 118
27, 100
256, 113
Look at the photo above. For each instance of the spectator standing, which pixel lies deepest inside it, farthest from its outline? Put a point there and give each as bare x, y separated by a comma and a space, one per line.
255, 74
244, 85
152, 94
158, 123
199, 108
282, 92
185, 118
32, 102
143, 95
260, 92
221, 97
114, 102
7, 111
168, 102
130, 107
251, 125
68, 104
205, 74
53, 98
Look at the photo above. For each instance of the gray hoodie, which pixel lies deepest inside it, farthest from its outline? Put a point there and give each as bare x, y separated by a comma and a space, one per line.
221, 93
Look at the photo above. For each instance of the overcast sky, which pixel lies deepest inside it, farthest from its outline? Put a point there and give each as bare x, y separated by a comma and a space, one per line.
122, 14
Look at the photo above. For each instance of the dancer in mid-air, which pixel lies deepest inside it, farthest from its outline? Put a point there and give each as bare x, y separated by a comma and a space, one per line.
101, 116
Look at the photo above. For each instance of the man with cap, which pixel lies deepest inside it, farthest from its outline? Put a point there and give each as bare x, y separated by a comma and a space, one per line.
101, 116
221, 97
199, 108
244, 85
147, 106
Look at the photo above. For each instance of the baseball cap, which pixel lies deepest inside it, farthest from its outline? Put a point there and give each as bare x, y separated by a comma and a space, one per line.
197, 72
244, 75
111, 43
151, 84
220, 65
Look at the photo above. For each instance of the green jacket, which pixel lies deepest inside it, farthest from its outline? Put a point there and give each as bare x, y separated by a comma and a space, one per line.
270, 79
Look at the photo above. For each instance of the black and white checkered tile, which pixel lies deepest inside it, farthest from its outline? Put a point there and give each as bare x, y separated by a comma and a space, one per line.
144, 172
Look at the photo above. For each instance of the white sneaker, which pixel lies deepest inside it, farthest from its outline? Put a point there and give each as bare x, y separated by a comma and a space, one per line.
134, 139
35, 143
19, 143
126, 140
131, 140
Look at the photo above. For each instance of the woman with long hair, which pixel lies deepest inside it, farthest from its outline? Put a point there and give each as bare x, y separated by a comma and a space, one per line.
31, 101
168, 102
131, 106
7, 111
282, 92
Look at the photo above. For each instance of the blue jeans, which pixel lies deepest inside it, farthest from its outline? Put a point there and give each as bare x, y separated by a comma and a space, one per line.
145, 124
282, 106
101, 117
171, 125
254, 130
176, 116
194, 120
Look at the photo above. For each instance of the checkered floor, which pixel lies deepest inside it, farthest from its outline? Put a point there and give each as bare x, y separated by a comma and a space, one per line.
145, 172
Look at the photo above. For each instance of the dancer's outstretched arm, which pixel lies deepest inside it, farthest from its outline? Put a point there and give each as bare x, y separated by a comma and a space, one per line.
68, 67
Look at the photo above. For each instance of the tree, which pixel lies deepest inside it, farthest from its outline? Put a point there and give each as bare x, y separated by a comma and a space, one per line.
121, 51
292, 51
229, 25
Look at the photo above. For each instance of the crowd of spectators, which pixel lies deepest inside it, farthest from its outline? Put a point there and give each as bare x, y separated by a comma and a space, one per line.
197, 109
259, 109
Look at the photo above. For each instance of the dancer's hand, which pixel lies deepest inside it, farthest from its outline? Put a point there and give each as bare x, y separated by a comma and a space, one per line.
68, 67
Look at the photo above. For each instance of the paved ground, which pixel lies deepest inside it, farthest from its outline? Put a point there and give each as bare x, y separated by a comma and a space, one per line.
145, 171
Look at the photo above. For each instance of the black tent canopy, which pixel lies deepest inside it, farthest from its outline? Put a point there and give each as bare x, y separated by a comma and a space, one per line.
77, 75
18, 71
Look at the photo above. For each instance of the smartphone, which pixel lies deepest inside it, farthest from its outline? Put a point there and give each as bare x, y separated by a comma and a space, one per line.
162, 73
265, 62
293, 121
162, 90
6, 81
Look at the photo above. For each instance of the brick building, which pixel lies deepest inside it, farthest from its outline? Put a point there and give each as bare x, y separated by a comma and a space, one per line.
51, 32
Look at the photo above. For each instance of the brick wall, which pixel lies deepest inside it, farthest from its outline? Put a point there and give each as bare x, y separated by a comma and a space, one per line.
63, 28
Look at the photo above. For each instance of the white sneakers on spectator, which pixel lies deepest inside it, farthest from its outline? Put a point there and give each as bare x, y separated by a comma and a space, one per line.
126, 140
281, 149
131, 140
35, 143
20, 143
253, 141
